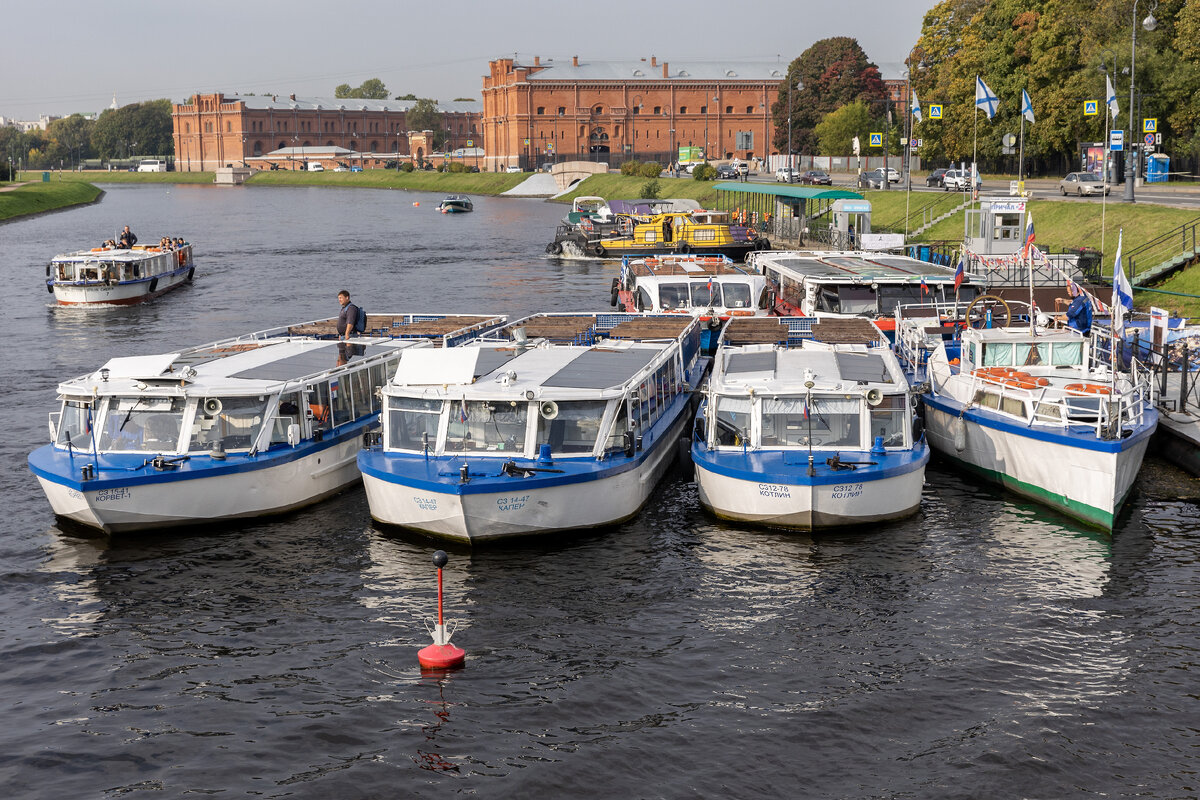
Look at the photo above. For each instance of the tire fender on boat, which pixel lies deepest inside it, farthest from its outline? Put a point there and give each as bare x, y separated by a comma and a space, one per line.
153, 285
191, 273
554, 248
959, 429
616, 285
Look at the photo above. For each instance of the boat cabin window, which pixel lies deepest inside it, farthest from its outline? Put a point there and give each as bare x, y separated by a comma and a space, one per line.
487, 425
737, 295
706, 294
143, 424
1066, 354
672, 295
832, 422
341, 400
892, 296
733, 421
889, 419
74, 425
364, 398
1009, 405
616, 437
412, 422
232, 421
704, 235
857, 300
997, 354
1031, 354
288, 414
319, 411
644, 301
574, 428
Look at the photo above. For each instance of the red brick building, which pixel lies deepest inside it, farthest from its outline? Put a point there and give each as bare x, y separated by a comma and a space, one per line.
214, 130
643, 109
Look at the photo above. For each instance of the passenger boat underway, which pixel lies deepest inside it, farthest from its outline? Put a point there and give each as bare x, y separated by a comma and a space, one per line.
243, 427
808, 424
1038, 412
857, 284
565, 422
711, 288
456, 204
663, 233
118, 276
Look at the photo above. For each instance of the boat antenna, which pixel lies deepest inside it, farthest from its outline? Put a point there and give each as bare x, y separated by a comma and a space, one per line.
812, 472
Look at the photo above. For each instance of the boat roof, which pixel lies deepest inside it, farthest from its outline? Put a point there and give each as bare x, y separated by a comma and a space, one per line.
266, 361
687, 267
116, 254
853, 267
1023, 334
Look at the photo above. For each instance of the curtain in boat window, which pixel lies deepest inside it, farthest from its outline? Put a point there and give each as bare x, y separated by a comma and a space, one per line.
1066, 353
997, 354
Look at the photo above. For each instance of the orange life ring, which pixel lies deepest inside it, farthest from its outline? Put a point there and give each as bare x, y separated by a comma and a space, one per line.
1042, 381
1086, 388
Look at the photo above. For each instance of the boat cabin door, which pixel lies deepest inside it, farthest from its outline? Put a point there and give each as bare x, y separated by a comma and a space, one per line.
851, 219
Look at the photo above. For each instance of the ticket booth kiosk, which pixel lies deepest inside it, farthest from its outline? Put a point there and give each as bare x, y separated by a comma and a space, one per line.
851, 219
997, 227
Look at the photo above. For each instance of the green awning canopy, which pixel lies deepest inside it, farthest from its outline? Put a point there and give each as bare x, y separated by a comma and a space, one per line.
787, 190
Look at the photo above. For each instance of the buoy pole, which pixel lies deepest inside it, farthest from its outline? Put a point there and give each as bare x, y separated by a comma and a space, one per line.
441, 654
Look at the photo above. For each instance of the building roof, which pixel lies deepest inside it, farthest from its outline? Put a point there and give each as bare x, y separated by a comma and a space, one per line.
642, 70
326, 152
797, 192
284, 103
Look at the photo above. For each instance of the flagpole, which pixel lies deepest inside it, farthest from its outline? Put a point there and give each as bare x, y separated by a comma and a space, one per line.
1021, 153
1104, 167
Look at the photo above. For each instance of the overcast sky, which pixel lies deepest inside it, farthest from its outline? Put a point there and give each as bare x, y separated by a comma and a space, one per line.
65, 56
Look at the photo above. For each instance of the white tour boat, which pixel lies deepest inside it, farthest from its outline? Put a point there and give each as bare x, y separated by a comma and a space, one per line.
711, 288
808, 424
118, 276
1039, 411
566, 422
857, 284
243, 427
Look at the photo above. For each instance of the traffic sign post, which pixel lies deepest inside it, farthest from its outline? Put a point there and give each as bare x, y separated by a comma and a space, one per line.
1091, 108
1116, 140
876, 140
1150, 125
1149, 139
935, 111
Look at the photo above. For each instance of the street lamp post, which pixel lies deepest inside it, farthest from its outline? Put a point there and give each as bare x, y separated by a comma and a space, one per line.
706, 107
633, 113
789, 118
1131, 165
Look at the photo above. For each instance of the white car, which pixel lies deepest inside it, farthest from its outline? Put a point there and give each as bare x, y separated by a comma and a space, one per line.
785, 175
958, 180
513, 168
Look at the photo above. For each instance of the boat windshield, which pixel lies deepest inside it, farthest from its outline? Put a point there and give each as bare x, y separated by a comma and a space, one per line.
672, 295
232, 421
889, 419
738, 295
413, 423
487, 425
733, 421
1031, 354
706, 294
142, 424
574, 428
829, 422
75, 425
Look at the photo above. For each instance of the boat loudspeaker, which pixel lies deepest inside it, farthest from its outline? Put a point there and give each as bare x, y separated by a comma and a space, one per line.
874, 397
549, 409
212, 406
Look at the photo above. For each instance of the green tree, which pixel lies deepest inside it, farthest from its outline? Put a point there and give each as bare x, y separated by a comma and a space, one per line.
138, 128
409, 96
370, 89
830, 74
836, 131
424, 116
70, 139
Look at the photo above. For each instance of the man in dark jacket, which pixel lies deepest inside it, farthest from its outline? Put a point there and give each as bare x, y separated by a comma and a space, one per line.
128, 239
1079, 313
348, 317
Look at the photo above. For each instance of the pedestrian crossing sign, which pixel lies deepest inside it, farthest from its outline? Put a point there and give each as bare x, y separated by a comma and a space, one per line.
1150, 125
1091, 108
935, 111
876, 140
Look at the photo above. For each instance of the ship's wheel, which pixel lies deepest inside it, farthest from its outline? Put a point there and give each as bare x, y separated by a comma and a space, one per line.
989, 307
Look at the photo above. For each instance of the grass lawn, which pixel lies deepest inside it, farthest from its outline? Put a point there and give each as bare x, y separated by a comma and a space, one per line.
118, 176
1186, 281
34, 198
481, 183
623, 187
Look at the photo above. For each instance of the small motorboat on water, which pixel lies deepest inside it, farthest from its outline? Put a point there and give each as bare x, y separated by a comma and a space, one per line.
563, 422
657, 233
118, 276
456, 204
808, 424
1038, 410
711, 288
243, 427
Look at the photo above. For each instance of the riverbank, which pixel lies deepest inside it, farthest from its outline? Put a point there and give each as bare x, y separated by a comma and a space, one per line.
40, 198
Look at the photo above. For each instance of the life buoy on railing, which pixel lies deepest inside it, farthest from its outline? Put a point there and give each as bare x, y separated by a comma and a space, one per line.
1086, 388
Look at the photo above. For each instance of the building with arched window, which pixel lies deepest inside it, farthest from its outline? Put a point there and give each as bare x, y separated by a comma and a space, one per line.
215, 130
646, 110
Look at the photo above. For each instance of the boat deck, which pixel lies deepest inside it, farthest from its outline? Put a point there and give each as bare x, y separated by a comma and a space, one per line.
687, 268
394, 325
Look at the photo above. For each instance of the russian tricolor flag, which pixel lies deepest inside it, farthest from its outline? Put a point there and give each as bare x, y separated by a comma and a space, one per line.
924, 286
959, 274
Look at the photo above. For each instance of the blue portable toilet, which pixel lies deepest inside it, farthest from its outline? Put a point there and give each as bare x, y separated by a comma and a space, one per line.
1158, 166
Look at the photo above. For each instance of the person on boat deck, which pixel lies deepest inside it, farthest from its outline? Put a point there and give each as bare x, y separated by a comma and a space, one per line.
347, 317
128, 239
1079, 313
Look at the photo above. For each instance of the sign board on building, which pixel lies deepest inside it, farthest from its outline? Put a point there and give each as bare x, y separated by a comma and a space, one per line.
880, 241
1116, 140
1091, 108
1150, 125
470, 143
855, 208
526, 142
1007, 206
935, 111
877, 140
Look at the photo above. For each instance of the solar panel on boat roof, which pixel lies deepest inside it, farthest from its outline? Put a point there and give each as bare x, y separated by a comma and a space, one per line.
862, 367
600, 369
491, 359
309, 362
751, 362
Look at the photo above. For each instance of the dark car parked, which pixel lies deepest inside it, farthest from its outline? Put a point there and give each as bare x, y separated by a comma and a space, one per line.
726, 171
816, 177
935, 177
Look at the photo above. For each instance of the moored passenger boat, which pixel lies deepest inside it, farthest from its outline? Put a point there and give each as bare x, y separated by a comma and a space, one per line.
711, 288
118, 276
565, 422
1039, 412
244, 427
807, 424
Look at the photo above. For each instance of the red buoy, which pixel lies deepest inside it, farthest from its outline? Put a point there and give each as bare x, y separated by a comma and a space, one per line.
441, 654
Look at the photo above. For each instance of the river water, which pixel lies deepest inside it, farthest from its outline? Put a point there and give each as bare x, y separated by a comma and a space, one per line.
984, 648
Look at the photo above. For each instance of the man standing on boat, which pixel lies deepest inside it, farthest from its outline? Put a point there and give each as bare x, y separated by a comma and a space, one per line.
128, 239
348, 317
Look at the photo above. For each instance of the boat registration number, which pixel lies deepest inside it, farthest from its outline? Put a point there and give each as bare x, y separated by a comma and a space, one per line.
847, 491
425, 503
774, 490
515, 503
114, 495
